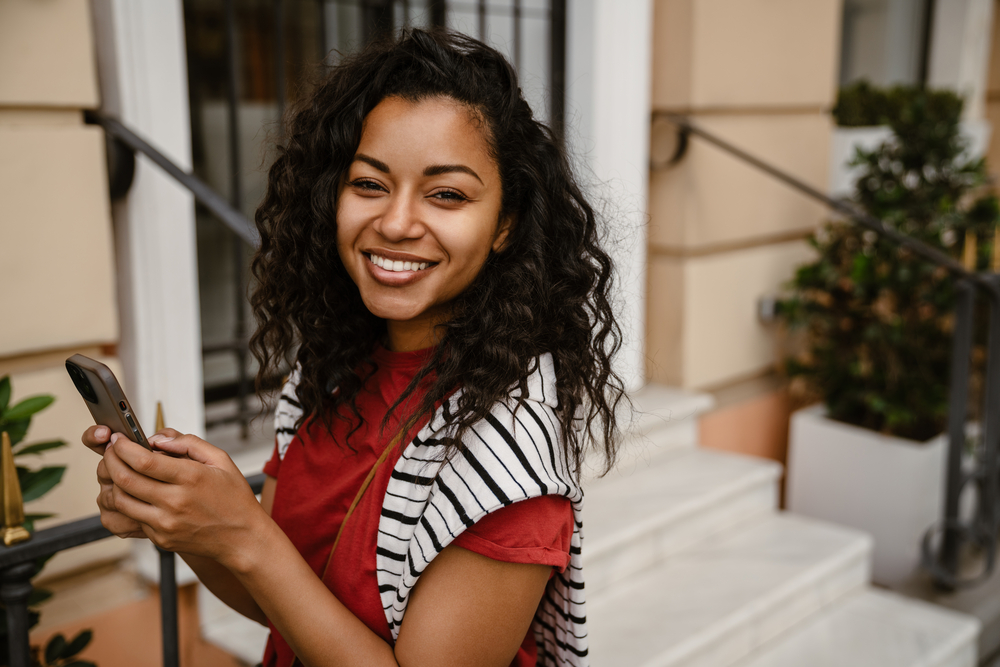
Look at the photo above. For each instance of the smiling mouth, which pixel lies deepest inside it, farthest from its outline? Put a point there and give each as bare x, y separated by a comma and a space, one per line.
397, 265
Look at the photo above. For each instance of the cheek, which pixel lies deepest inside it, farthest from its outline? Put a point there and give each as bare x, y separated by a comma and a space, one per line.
470, 249
347, 233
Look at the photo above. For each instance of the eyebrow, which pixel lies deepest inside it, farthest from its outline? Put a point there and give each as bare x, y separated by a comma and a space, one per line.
438, 169
433, 170
378, 164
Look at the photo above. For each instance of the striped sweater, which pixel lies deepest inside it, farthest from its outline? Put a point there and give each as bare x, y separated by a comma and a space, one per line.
512, 455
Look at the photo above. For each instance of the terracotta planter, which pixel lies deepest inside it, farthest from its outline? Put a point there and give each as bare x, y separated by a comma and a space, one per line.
891, 488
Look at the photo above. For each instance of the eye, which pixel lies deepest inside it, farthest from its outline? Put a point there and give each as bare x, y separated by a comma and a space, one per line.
367, 185
449, 196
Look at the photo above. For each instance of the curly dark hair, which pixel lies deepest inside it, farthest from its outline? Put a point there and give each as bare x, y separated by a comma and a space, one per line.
547, 290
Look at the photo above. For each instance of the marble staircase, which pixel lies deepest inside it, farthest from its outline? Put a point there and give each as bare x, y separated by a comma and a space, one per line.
690, 564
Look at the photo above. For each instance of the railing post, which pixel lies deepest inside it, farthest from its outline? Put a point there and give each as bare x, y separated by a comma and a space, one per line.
991, 433
168, 608
15, 588
958, 404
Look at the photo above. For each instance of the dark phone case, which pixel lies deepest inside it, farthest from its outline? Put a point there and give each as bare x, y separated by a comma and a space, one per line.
107, 410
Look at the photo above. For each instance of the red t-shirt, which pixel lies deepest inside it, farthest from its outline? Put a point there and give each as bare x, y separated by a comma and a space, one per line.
320, 475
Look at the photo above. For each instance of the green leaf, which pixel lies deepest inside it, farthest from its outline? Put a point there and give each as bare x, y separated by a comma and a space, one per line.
54, 649
27, 407
39, 482
40, 447
16, 430
29, 523
4, 394
78, 644
38, 596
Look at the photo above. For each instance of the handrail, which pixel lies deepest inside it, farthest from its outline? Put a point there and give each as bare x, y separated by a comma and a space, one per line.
17, 567
941, 544
72, 534
222, 209
843, 206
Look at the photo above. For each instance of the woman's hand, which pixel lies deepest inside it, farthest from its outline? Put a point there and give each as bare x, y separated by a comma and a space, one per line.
97, 438
197, 504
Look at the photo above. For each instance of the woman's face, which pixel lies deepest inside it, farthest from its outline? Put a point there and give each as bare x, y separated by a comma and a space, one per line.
418, 211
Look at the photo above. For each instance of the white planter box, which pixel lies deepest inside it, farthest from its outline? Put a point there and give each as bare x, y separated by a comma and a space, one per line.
889, 487
844, 142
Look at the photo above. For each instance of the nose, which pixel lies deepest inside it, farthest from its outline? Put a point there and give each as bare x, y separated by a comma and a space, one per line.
400, 220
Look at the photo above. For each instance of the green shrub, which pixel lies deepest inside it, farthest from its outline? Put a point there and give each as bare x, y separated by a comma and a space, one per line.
35, 483
877, 321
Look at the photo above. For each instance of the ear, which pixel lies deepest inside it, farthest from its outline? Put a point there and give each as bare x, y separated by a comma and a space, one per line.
504, 228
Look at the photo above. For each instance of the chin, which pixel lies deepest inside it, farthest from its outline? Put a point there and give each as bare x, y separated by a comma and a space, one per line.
397, 312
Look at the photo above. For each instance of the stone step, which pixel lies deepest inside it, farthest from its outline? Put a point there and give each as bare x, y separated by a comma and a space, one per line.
232, 632
875, 629
637, 516
716, 601
668, 415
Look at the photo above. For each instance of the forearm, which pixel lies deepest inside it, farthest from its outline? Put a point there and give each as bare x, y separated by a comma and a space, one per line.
225, 586
318, 627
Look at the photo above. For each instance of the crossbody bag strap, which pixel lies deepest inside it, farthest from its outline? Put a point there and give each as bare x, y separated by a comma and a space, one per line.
350, 510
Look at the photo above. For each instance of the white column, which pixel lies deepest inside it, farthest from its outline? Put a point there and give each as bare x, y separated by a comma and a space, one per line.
609, 60
144, 84
960, 51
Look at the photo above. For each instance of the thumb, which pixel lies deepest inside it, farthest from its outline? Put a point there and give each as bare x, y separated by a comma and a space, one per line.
189, 446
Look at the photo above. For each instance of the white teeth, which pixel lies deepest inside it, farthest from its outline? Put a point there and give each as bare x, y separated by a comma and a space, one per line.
397, 265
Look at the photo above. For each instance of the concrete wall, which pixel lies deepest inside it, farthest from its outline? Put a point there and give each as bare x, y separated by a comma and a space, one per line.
57, 267
761, 74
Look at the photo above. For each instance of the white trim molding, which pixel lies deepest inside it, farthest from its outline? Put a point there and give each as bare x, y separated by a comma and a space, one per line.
608, 98
143, 70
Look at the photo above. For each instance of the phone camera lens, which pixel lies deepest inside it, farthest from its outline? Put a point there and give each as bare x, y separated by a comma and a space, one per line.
82, 383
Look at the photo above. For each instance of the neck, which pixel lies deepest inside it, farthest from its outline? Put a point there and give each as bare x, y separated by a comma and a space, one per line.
412, 335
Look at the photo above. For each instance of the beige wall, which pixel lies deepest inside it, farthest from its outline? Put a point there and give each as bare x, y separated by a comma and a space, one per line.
57, 268
762, 75
47, 54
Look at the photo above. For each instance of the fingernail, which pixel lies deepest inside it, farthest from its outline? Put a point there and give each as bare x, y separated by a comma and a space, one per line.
157, 439
114, 437
101, 432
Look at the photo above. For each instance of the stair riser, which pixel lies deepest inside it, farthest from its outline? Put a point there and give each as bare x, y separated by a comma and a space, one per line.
733, 641
640, 446
606, 566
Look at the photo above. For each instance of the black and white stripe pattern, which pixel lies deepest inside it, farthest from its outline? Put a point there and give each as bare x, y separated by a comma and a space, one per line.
512, 455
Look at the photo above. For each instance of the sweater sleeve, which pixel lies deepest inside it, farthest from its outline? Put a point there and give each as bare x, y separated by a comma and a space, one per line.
533, 531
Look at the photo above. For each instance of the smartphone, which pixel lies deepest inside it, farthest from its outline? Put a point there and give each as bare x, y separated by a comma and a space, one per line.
104, 397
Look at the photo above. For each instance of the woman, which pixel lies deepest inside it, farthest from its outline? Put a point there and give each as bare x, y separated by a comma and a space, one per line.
434, 271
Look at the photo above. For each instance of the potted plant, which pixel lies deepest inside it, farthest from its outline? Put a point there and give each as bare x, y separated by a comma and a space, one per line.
15, 420
862, 116
874, 326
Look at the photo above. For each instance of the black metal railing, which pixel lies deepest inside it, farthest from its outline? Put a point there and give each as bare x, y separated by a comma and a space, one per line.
17, 567
943, 543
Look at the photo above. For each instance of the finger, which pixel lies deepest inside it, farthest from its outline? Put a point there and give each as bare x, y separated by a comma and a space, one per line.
96, 437
131, 507
103, 476
149, 464
135, 482
195, 449
120, 525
